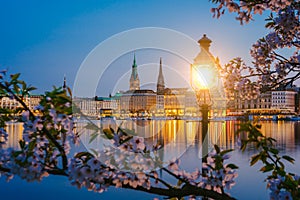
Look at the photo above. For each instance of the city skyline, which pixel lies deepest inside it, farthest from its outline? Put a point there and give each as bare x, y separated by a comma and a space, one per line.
44, 42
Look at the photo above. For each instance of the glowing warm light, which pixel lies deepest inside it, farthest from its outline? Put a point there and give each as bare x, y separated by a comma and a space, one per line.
202, 76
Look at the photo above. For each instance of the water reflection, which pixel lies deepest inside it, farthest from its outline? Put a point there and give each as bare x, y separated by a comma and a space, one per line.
184, 134
15, 132
180, 133
175, 135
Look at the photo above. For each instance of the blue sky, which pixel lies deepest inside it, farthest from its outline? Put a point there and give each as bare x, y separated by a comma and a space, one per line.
46, 39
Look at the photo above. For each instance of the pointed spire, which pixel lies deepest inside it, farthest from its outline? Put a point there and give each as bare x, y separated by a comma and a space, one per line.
65, 83
160, 81
134, 79
134, 61
160, 64
160, 70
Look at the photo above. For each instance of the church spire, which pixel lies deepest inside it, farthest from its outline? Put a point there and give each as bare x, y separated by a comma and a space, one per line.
65, 84
160, 81
134, 79
134, 61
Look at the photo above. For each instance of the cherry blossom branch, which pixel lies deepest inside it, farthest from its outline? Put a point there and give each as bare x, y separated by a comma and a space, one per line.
49, 135
284, 58
2, 169
174, 175
160, 180
186, 190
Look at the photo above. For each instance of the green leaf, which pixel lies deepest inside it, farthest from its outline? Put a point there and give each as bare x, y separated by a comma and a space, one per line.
126, 140
179, 183
31, 88
217, 148
281, 164
111, 129
91, 126
69, 91
258, 126
232, 166
288, 158
93, 137
244, 145
108, 133
16, 88
274, 151
226, 151
267, 168
126, 131
271, 140
94, 151
22, 144
281, 172
254, 159
15, 76
31, 145
84, 153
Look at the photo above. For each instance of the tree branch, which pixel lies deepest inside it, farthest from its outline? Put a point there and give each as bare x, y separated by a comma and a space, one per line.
49, 135
186, 190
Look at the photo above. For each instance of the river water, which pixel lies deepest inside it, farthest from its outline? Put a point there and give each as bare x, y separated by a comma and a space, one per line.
181, 140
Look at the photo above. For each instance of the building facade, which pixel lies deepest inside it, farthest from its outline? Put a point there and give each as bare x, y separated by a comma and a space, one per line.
31, 102
284, 100
138, 103
270, 102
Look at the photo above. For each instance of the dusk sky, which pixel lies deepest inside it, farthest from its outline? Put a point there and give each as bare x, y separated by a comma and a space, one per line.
43, 40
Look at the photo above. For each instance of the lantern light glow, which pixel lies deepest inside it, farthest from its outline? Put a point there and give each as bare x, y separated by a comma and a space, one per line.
202, 77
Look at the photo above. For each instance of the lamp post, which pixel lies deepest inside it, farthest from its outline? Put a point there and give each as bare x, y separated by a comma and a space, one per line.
203, 77
204, 102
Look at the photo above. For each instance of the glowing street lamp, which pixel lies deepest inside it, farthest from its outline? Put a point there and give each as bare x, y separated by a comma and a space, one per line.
203, 79
203, 75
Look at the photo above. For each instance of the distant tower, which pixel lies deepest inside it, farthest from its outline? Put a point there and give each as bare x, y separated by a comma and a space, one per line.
65, 84
134, 79
160, 81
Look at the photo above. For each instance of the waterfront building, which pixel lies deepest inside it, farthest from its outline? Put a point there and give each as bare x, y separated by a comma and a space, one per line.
108, 106
268, 103
265, 100
11, 103
33, 100
160, 105
87, 106
284, 100
174, 102
297, 99
138, 103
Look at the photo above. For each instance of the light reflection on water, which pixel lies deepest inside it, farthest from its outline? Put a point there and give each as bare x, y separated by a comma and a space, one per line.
182, 137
